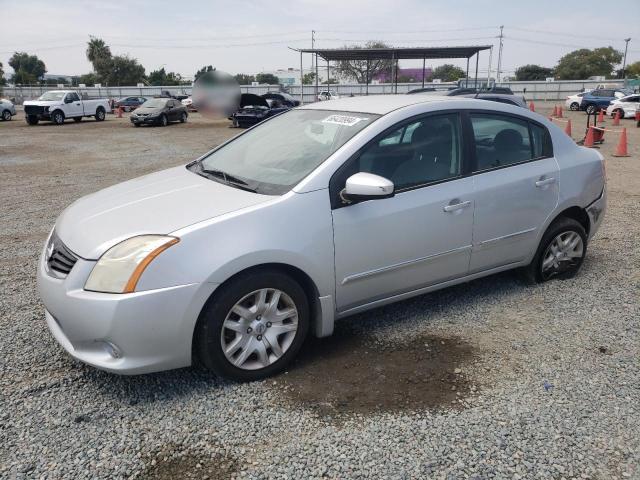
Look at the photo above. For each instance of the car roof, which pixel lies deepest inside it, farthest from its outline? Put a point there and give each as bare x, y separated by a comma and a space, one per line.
377, 104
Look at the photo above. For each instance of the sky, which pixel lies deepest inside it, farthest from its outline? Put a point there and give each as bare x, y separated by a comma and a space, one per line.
250, 36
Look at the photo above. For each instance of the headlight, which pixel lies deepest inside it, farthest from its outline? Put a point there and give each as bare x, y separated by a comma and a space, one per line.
119, 268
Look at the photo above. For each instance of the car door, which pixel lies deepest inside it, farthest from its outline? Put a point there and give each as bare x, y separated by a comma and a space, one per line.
419, 237
73, 105
515, 179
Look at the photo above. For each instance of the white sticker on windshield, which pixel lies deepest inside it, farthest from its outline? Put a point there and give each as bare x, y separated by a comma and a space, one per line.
343, 120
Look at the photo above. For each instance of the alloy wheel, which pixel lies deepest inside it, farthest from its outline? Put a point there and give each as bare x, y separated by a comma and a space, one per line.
259, 329
6, 115
563, 254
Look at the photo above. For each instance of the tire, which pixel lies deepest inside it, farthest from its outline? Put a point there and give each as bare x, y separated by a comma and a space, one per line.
269, 352
591, 109
575, 106
183, 117
57, 117
77, 119
6, 115
100, 114
32, 119
164, 121
613, 114
136, 125
563, 266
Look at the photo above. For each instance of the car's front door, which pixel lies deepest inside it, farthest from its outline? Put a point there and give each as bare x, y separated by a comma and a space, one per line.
73, 105
516, 188
419, 237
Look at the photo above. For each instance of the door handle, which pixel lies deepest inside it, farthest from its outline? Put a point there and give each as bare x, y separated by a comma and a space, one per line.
545, 181
456, 206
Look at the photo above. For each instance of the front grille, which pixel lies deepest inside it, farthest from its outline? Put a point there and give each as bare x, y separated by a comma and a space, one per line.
34, 110
60, 260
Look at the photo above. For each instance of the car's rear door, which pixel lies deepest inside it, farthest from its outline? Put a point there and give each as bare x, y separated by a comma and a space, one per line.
419, 237
515, 179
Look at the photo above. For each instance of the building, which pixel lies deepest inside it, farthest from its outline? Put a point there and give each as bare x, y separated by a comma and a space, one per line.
405, 74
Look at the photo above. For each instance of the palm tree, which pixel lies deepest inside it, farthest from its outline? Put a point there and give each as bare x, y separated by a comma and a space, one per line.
97, 50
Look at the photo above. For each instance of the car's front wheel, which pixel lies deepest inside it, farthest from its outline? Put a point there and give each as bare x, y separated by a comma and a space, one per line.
58, 117
183, 117
253, 327
164, 121
560, 253
6, 115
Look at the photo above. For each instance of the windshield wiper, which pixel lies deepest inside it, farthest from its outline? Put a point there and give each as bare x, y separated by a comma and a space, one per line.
238, 182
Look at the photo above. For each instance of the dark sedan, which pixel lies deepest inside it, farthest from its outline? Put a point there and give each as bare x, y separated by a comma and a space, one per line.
254, 109
159, 111
130, 103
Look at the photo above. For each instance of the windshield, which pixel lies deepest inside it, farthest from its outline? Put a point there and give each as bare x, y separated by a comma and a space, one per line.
155, 103
274, 156
52, 96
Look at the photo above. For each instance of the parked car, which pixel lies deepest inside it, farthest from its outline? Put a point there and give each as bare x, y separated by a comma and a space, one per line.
500, 98
159, 111
465, 91
58, 105
597, 99
311, 216
573, 101
130, 103
188, 103
255, 109
627, 106
280, 99
7, 109
327, 95
421, 90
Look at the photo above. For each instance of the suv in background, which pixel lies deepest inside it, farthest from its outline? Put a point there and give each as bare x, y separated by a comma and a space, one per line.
600, 98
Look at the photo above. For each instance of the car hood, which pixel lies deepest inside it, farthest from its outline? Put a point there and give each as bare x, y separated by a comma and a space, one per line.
148, 110
42, 103
159, 203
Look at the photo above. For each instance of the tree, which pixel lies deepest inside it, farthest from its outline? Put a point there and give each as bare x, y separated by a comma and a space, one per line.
448, 73
160, 77
244, 79
88, 79
125, 71
585, 63
533, 72
357, 69
2, 80
331, 81
308, 78
202, 71
99, 54
268, 78
633, 70
27, 68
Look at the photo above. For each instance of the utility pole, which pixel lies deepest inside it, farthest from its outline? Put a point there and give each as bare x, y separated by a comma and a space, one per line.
624, 62
500, 55
313, 45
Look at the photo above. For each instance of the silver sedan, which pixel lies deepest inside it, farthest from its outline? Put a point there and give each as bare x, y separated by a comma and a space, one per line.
321, 212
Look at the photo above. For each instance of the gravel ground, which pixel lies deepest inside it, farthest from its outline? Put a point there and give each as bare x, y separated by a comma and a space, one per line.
491, 379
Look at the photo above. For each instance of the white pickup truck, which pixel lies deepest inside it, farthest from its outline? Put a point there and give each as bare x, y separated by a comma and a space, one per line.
58, 105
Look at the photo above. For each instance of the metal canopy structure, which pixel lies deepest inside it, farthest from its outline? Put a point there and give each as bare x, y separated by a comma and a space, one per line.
393, 54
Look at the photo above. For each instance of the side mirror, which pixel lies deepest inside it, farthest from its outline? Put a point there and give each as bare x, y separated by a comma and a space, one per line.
366, 186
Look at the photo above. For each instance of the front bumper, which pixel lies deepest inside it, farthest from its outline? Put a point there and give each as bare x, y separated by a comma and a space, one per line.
145, 120
133, 333
596, 211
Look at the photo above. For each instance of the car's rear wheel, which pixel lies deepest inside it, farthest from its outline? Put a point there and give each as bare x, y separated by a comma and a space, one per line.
253, 327
58, 117
100, 114
32, 119
6, 115
560, 253
183, 117
575, 106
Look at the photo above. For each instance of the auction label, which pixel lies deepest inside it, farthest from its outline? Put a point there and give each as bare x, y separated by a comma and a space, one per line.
343, 120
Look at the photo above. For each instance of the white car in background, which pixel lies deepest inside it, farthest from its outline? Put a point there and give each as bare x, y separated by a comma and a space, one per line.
58, 105
627, 106
327, 95
7, 109
188, 103
573, 101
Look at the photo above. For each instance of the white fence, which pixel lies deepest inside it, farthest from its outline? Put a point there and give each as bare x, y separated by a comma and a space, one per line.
530, 90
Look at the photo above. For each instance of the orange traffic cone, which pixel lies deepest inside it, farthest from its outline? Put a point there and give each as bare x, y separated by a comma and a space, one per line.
601, 116
567, 129
559, 111
589, 139
119, 112
616, 118
621, 151
555, 111
532, 106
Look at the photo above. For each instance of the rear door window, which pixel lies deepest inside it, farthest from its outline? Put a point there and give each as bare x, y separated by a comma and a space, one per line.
502, 140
